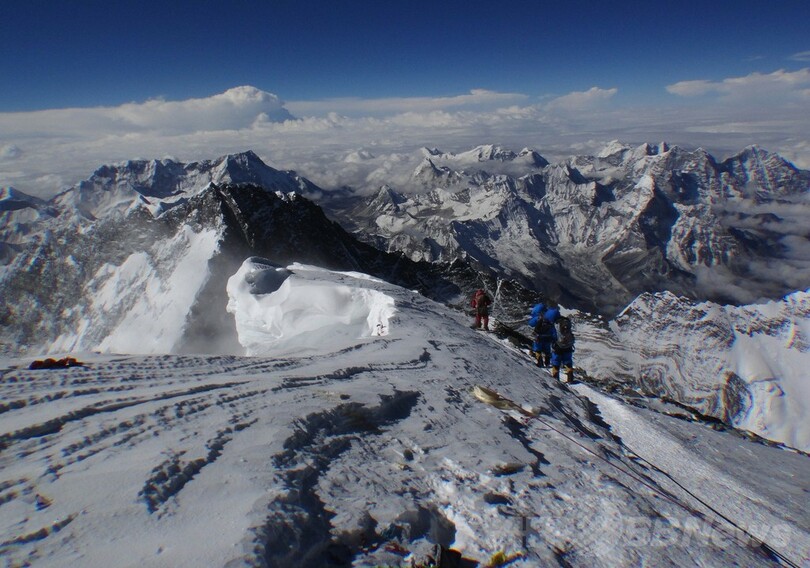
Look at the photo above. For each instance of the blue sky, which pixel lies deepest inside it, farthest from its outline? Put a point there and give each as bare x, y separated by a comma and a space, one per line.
90, 53
312, 85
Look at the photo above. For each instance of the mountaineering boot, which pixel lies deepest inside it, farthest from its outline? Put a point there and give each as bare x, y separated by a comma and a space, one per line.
569, 374
538, 358
555, 372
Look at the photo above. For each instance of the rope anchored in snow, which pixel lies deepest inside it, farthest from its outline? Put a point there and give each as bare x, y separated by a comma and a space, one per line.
501, 402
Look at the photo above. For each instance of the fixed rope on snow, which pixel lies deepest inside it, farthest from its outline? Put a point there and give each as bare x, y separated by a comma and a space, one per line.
501, 402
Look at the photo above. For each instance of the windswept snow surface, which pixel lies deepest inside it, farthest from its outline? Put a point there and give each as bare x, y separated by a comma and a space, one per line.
363, 448
280, 311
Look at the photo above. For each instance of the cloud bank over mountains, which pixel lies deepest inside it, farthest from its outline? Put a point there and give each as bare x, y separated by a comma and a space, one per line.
362, 142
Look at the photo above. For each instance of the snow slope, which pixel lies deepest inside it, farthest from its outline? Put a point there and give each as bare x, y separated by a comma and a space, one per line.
125, 299
346, 443
711, 471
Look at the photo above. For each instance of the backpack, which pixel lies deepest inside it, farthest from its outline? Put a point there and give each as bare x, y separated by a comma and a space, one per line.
565, 335
544, 329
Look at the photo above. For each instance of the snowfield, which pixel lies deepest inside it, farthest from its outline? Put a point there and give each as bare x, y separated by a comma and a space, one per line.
352, 437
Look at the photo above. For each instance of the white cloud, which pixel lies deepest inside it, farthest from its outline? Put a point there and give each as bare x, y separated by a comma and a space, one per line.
801, 56
582, 100
236, 108
692, 88
9, 152
358, 156
476, 98
795, 151
743, 127
777, 86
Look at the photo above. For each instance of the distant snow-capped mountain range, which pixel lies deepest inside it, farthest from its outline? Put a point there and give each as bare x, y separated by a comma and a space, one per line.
156, 241
591, 231
596, 231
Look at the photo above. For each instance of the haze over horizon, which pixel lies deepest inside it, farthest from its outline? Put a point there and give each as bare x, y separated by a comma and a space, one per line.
308, 85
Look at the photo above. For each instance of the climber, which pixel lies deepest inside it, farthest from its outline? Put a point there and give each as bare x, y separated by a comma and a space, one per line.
544, 336
480, 303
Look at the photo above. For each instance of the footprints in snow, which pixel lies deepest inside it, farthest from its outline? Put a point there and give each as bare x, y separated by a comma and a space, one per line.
298, 520
168, 478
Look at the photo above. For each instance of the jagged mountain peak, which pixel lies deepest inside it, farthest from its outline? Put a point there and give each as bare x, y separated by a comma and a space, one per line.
648, 150
425, 164
487, 153
492, 152
137, 167
765, 174
247, 161
428, 172
476, 166
756, 156
647, 217
483, 153
385, 196
532, 157
246, 158
159, 185
619, 150
616, 160
247, 167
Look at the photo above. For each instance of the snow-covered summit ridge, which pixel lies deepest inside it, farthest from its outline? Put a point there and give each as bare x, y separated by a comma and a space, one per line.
490, 157
366, 449
12, 199
99, 285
